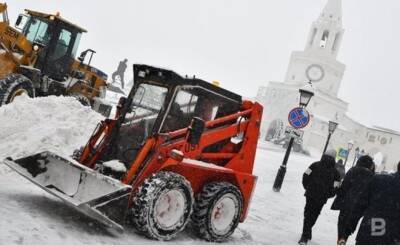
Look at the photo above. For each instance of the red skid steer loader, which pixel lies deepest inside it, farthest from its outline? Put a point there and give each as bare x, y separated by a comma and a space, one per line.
178, 149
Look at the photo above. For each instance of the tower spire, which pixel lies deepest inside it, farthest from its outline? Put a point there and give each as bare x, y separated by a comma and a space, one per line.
332, 12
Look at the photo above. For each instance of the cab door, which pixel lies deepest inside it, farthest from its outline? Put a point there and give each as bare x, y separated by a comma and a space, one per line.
61, 54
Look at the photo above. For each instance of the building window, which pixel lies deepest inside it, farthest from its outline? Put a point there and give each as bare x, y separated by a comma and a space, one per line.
324, 39
383, 141
371, 138
390, 140
336, 42
313, 34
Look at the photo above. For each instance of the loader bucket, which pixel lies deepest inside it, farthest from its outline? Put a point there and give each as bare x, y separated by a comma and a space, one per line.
98, 196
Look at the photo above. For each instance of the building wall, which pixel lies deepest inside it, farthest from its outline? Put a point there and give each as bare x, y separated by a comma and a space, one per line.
325, 77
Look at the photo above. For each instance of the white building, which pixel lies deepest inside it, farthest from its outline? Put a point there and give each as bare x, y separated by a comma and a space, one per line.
318, 63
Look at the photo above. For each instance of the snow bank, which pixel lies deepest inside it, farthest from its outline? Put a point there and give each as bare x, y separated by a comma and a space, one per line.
115, 165
58, 124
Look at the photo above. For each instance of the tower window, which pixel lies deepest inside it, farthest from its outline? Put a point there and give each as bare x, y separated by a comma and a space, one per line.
324, 39
336, 42
313, 34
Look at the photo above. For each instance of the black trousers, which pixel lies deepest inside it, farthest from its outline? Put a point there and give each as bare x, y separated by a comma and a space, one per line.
342, 224
311, 212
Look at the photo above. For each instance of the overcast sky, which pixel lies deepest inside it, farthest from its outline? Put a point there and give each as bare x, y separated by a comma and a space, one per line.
243, 44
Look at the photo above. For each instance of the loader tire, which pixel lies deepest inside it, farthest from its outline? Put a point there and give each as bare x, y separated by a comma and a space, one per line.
162, 206
15, 85
82, 99
217, 211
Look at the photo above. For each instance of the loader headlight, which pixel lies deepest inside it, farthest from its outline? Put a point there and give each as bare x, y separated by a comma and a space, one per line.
36, 47
102, 91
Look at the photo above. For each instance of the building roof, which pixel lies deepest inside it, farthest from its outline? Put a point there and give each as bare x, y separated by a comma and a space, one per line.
332, 12
57, 16
384, 130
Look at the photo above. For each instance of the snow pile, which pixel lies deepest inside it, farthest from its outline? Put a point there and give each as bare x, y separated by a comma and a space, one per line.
115, 165
58, 124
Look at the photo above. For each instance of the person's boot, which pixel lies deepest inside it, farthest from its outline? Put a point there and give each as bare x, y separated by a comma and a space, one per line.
303, 240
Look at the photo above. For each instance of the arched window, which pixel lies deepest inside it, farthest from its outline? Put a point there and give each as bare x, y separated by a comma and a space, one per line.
324, 39
313, 34
336, 42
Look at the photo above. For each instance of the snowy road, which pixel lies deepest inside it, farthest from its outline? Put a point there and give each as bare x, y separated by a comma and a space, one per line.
31, 216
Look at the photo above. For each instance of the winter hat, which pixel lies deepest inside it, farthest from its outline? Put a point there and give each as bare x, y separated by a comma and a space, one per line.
365, 161
331, 153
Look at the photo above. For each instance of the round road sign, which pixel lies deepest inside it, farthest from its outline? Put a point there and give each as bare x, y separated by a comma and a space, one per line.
299, 117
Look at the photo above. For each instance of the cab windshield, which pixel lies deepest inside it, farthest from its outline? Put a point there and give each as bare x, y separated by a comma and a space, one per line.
146, 104
139, 121
37, 30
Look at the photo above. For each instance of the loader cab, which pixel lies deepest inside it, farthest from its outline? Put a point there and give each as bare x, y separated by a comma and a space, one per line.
162, 102
58, 40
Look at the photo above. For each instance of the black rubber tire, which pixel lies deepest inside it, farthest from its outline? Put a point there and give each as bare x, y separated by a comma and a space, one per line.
82, 99
142, 213
204, 205
11, 84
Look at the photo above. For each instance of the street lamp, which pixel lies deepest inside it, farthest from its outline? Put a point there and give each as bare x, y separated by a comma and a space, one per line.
305, 97
349, 147
331, 128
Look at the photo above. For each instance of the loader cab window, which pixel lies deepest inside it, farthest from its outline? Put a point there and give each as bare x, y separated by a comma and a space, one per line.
138, 123
193, 101
37, 31
60, 57
76, 45
146, 105
62, 44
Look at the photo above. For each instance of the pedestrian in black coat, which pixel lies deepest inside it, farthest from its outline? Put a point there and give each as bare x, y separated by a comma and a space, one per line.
341, 169
355, 181
320, 181
379, 203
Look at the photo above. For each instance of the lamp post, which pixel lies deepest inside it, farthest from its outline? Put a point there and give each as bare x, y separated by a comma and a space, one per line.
305, 97
331, 128
349, 147
356, 152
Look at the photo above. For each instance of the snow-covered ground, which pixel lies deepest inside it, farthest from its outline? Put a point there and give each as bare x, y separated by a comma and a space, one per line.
28, 215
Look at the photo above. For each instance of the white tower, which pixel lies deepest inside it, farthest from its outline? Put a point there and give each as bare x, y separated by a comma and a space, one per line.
317, 63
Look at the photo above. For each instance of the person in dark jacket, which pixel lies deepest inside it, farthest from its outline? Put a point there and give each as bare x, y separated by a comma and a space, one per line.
340, 168
320, 181
379, 203
353, 184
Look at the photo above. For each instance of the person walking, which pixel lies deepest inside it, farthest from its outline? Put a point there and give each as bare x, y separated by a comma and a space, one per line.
340, 168
355, 181
379, 204
320, 181
120, 72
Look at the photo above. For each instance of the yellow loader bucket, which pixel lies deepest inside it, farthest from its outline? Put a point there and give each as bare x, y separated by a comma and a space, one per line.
98, 196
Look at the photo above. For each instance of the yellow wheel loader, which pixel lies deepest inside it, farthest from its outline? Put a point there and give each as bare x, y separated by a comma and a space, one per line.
37, 58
